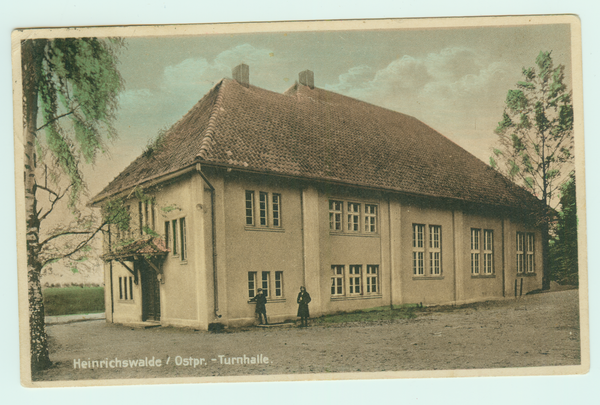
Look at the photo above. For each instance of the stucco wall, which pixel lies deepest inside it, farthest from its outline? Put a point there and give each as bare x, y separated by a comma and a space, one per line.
261, 249
427, 288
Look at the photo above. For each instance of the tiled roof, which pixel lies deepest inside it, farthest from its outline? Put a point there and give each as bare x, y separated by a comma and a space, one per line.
147, 247
318, 134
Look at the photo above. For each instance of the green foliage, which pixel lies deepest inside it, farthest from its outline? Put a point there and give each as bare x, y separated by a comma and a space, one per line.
78, 79
169, 208
535, 135
73, 300
149, 231
142, 196
563, 248
115, 212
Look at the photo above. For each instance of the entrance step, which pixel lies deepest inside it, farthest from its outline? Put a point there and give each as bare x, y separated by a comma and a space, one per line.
143, 325
277, 325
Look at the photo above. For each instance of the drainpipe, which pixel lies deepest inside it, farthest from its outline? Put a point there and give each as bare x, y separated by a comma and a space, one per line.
214, 240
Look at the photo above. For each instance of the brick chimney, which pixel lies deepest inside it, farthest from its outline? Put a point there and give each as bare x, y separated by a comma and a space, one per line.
307, 78
241, 74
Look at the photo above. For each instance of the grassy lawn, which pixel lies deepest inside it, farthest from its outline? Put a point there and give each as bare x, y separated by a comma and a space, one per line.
371, 315
73, 300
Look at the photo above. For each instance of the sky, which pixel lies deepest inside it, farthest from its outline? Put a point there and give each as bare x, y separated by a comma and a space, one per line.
455, 79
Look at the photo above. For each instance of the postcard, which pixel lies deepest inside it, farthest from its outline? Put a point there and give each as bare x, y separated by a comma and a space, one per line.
283, 201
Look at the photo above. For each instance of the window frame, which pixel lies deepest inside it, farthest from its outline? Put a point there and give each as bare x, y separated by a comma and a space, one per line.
263, 212
338, 274
529, 253
487, 250
252, 284
336, 216
372, 278
520, 252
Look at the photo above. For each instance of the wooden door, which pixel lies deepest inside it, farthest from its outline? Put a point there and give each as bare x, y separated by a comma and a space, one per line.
150, 294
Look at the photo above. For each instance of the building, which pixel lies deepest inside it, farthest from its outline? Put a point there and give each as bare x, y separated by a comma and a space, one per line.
364, 206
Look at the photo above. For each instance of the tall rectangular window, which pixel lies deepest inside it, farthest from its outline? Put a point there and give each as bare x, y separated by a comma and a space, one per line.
530, 253
167, 234
251, 284
279, 283
418, 249
337, 280
174, 237
488, 251
353, 217
372, 279
354, 279
183, 239
275, 209
262, 209
370, 218
249, 207
475, 251
265, 283
520, 252
120, 288
130, 288
153, 215
335, 215
435, 249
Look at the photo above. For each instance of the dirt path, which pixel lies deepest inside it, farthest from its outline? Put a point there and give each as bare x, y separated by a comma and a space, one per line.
537, 330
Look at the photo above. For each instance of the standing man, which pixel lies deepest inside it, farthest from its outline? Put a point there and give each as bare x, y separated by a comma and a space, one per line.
260, 309
303, 300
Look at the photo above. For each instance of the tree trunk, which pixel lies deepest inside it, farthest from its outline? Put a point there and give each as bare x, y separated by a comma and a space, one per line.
546, 271
37, 328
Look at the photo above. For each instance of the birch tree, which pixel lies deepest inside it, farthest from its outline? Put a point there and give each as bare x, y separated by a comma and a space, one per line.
70, 90
535, 137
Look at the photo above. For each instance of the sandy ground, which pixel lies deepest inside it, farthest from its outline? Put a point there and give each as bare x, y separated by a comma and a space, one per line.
536, 330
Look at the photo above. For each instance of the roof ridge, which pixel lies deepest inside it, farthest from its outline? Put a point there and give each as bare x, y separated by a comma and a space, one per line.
208, 139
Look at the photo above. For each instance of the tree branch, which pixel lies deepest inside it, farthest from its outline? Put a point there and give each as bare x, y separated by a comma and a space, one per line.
55, 119
77, 248
58, 197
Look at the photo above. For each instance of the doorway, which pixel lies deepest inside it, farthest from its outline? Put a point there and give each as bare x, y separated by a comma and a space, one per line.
150, 293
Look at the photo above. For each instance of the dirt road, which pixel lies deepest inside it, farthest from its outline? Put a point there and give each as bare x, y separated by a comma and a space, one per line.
536, 330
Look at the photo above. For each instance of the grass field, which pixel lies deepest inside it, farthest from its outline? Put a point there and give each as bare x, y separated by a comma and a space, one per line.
73, 300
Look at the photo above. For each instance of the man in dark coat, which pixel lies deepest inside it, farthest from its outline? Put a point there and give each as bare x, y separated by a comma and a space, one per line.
260, 309
303, 300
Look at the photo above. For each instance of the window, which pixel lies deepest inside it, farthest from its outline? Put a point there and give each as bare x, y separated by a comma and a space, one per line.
530, 262
354, 280
353, 217
346, 216
275, 209
520, 249
337, 280
263, 209
435, 237
370, 218
269, 209
174, 237
355, 283
249, 207
482, 249
126, 288
372, 280
427, 254
279, 284
475, 259
418, 249
183, 239
335, 215
265, 283
146, 216
488, 251
167, 234
251, 284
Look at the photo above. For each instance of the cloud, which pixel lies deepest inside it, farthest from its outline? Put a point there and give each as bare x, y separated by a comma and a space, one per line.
193, 77
452, 73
